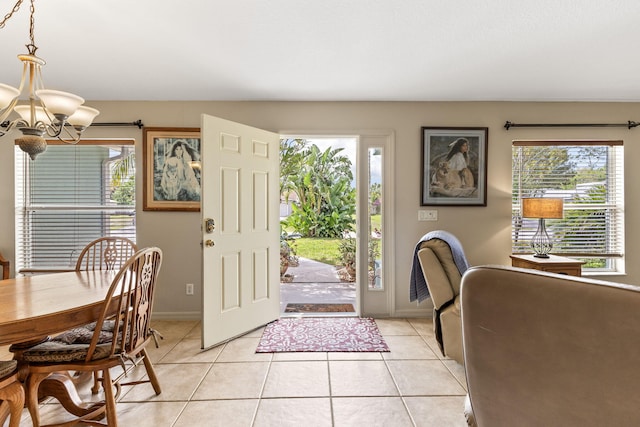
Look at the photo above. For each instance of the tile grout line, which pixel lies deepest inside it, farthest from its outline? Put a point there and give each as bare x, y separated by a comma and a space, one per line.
395, 383
262, 387
331, 410
195, 389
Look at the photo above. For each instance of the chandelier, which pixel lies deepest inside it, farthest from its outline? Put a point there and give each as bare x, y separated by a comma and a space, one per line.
53, 113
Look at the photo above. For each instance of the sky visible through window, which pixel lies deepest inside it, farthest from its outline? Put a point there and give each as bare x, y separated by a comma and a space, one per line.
350, 146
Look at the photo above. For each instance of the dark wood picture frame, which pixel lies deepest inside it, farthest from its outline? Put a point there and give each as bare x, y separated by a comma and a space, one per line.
452, 175
171, 169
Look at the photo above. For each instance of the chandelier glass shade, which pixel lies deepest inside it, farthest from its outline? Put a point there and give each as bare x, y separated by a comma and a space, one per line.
41, 112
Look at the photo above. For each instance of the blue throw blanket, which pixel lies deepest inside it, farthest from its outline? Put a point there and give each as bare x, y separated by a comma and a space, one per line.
418, 286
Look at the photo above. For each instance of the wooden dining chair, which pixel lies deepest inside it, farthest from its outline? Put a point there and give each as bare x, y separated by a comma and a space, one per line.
6, 265
126, 312
11, 393
105, 253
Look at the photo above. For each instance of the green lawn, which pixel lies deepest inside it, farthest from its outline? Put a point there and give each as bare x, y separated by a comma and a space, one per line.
325, 249
376, 222
318, 249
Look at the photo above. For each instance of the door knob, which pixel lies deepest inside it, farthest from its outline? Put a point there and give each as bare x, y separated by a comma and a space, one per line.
209, 243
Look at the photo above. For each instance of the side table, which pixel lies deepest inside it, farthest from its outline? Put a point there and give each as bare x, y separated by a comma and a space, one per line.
553, 264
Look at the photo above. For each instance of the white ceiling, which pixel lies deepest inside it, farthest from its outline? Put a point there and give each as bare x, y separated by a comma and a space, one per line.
312, 50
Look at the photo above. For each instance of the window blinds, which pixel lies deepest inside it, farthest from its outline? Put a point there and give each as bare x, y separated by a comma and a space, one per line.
588, 175
70, 196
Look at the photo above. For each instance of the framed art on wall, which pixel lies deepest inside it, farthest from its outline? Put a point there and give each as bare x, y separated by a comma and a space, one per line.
171, 169
454, 166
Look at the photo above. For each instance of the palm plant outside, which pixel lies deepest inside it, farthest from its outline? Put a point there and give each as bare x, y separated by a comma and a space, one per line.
320, 182
122, 178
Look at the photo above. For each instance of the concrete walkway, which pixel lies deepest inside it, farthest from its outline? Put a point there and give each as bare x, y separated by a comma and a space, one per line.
310, 271
315, 282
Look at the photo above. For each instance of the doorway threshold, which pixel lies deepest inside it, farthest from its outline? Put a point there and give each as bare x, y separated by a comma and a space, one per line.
315, 309
319, 314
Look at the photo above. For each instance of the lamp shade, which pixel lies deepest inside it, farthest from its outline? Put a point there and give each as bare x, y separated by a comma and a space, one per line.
7, 94
25, 112
83, 117
58, 102
542, 207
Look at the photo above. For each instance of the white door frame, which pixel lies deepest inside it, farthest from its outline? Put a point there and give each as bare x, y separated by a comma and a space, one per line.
376, 302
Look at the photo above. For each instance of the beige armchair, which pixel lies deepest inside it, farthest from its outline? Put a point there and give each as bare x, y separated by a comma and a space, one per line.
544, 349
442, 273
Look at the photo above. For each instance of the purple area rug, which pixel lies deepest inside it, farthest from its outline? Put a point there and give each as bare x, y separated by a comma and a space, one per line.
339, 334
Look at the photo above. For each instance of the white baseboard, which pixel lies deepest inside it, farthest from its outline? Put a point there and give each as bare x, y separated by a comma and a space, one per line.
414, 312
196, 315
176, 315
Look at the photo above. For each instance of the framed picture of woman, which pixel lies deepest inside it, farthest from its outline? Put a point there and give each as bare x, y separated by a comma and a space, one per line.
454, 166
171, 163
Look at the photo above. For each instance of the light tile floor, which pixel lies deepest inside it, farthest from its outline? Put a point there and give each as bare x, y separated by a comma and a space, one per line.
231, 385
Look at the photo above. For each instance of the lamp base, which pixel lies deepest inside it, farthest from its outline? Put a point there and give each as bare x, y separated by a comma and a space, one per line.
540, 242
541, 255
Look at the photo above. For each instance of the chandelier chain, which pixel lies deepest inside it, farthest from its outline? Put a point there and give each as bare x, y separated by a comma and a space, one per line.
10, 14
32, 46
32, 10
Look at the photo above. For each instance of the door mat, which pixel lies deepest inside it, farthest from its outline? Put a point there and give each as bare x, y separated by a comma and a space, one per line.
316, 334
319, 308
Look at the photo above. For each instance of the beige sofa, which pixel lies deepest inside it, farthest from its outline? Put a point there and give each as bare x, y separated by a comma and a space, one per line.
443, 280
544, 349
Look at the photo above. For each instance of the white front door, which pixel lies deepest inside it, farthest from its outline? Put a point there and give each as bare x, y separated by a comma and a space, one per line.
241, 253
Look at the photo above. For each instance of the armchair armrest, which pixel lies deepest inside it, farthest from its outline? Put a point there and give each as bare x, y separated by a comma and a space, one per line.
437, 280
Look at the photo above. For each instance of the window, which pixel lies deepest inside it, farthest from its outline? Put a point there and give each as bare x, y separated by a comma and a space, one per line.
588, 175
69, 196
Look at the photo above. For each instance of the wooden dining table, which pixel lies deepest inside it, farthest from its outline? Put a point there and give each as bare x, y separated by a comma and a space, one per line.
34, 307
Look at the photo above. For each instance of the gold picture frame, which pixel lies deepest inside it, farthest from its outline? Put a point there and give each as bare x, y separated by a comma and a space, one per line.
171, 169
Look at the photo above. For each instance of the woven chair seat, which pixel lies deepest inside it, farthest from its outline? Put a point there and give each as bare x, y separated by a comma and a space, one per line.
84, 334
72, 345
60, 351
7, 367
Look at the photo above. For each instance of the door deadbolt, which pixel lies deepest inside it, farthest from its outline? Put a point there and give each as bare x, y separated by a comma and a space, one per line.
209, 243
209, 225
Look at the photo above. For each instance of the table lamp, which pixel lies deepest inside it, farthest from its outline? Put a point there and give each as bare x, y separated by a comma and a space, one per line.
542, 208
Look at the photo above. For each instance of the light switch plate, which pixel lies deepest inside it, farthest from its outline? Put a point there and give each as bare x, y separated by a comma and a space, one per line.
427, 215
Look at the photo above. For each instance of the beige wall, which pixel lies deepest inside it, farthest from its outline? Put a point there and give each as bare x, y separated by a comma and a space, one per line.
484, 231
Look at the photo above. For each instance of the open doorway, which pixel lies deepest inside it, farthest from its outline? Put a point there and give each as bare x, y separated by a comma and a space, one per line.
318, 215
241, 282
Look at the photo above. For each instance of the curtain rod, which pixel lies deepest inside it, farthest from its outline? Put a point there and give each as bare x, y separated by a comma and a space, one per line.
137, 123
630, 124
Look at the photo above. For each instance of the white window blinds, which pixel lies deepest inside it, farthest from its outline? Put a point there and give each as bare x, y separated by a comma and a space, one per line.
589, 176
69, 196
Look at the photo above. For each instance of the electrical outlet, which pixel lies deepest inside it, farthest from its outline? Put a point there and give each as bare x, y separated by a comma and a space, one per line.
189, 289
